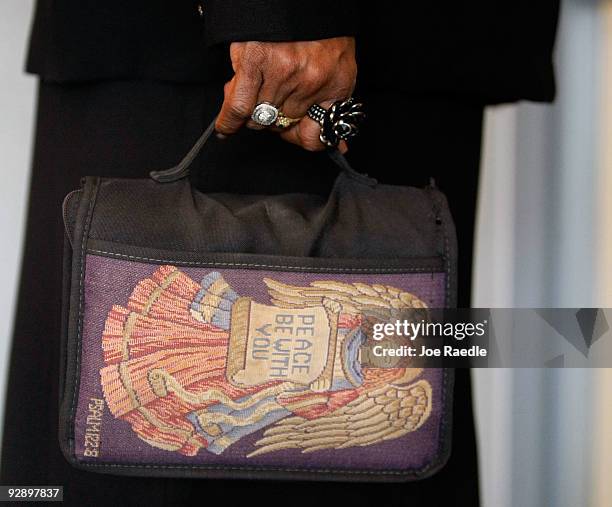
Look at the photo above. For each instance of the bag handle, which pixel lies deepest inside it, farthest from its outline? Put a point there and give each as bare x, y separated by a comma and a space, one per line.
181, 170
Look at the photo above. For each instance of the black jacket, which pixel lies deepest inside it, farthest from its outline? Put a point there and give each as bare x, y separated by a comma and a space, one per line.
488, 50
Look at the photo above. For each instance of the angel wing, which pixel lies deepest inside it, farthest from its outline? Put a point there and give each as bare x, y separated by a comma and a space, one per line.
382, 302
377, 415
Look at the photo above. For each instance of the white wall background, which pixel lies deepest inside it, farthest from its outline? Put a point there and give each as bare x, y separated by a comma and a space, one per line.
544, 239
17, 97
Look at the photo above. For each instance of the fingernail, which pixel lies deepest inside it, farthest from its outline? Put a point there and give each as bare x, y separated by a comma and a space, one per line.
221, 136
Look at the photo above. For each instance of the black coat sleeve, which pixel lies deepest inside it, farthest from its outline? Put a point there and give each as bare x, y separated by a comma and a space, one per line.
278, 20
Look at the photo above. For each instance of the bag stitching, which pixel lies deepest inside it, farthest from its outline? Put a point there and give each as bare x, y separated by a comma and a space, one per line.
414, 472
80, 311
255, 265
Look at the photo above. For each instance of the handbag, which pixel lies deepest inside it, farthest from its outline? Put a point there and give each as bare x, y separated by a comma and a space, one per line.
220, 335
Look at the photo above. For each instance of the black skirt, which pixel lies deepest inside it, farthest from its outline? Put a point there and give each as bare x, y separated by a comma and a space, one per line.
128, 128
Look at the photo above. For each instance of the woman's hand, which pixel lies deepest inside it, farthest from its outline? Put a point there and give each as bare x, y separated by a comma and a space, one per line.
292, 76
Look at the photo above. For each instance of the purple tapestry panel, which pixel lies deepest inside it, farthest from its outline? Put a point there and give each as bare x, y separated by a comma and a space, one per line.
249, 368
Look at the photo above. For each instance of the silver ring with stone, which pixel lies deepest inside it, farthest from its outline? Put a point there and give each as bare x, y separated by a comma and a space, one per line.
267, 114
